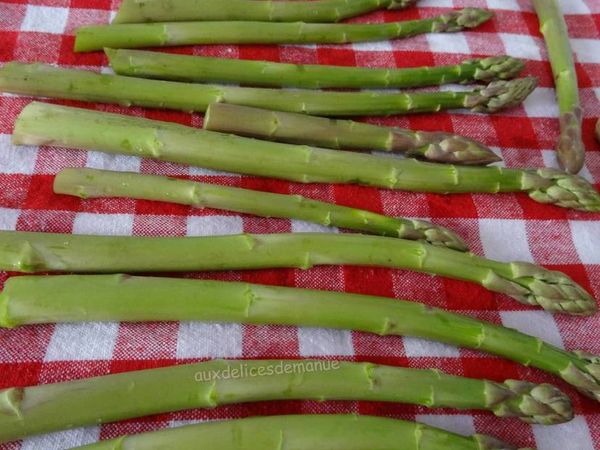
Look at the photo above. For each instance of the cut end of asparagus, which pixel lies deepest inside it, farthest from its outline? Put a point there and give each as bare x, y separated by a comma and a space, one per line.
436, 235
554, 291
501, 94
459, 20
402, 4
497, 68
562, 189
584, 374
533, 403
450, 148
570, 149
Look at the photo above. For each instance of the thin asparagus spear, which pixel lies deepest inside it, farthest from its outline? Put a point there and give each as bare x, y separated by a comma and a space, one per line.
345, 134
165, 66
335, 432
34, 299
165, 34
136, 11
89, 183
48, 81
71, 404
598, 130
570, 149
41, 123
525, 282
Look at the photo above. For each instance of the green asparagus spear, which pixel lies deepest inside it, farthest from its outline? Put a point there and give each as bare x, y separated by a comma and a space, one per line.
206, 385
345, 134
570, 150
41, 123
48, 81
97, 37
35, 299
47, 252
335, 432
165, 66
89, 183
136, 11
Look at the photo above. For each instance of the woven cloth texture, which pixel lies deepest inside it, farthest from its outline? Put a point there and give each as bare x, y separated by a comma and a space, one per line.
505, 227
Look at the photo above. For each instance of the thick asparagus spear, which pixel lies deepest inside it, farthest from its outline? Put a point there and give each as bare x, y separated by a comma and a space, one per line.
89, 183
136, 11
165, 66
335, 432
206, 385
35, 299
345, 134
97, 37
47, 252
48, 81
41, 123
570, 150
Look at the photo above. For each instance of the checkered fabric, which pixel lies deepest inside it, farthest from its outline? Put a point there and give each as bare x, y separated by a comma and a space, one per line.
504, 227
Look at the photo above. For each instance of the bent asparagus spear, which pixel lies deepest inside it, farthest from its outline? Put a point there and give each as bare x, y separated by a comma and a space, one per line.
570, 149
89, 183
35, 299
48, 81
97, 37
165, 66
41, 123
136, 11
336, 432
47, 252
295, 128
207, 385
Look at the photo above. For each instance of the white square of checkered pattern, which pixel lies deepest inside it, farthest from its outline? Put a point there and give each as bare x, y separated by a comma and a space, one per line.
209, 340
541, 103
574, 435
535, 323
107, 161
458, 423
16, 159
45, 19
421, 348
82, 341
63, 439
325, 342
8, 218
494, 233
103, 224
214, 225
585, 238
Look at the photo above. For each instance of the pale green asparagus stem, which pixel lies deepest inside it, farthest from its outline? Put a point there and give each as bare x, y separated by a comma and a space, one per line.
336, 432
41, 123
53, 407
136, 11
165, 66
46, 252
165, 34
570, 150
89, 183
48, 81
345, 134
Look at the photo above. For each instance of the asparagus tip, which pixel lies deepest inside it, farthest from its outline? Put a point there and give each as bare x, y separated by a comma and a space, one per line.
570, 149
562, 189
402, 4
584, 374
501, 94
450, 148
497, 68
533, 403
459, 20
439, 236
552, 290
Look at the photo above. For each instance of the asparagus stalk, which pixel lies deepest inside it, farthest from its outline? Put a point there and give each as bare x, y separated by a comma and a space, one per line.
52, 407
164, 34
336, 432
41, 123
570, 149
47, 252
136, 11
165, 66
89, 183
345, 134
30, 300
598, 130
48, 81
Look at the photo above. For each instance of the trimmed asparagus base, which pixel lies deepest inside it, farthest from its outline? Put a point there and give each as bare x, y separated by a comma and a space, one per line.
47, 252
136, 11
337, 432
89, 183
165, 66
164, 34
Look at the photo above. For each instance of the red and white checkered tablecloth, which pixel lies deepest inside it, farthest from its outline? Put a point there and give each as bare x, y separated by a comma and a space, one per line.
505, 227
